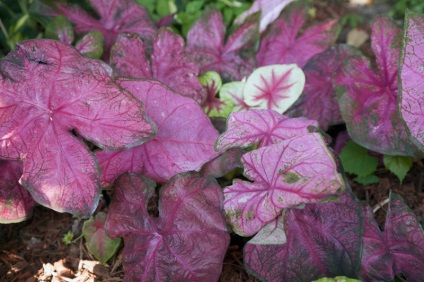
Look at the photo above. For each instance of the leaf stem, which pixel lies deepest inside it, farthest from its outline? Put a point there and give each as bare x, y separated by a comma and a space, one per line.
379, 205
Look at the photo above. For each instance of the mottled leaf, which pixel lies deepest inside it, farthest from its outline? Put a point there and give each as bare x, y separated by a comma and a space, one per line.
298, 170
261, 127
91, 45
323, 240
169, 62
116, 16
368, 98
282, 44
271, 234
411, 77
185, 139
232, 58
318, 100
16, 202
47, 91
60, 28
214, 106
274, 87
98, 243
187, 242
270, 10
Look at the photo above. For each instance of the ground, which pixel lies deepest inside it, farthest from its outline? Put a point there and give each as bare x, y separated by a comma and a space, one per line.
34, 251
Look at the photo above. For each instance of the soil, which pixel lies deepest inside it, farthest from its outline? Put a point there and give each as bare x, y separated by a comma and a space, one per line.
34, 251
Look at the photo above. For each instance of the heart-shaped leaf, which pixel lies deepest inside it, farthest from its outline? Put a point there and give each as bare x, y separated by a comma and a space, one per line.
323, 240
411, 76
368, 98
189, 239
261, 127
296, 171
232, 58
91, 45
47, 91
60, 28
282, 45
185, 139
98, 243
16, 202
169, 62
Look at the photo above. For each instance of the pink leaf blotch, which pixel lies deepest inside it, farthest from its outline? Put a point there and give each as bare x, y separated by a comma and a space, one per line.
292, 172
368, 98
412, 75
261, 127
281, 44
233, 58
323, 240
47, 91
185, 139
115, 17
169, 62
16, 202
318, 100
189, 239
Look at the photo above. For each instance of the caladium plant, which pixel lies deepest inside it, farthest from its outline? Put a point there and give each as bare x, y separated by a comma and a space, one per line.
232, 58
187, 242
169, 62
77, 94
411, 76
16, 202
281, 43
368, 97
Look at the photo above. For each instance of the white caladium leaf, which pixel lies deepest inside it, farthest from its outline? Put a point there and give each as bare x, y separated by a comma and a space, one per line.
296, 171
233, 91
274, 87
271, 234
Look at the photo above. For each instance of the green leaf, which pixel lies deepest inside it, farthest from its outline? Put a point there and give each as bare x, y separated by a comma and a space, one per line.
91, 45
399, 165
336, 279
367, 180
355, 160
98, 243
67, 238
60, 28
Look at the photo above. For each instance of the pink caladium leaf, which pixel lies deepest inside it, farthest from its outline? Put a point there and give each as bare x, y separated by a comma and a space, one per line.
98, 243
189, 239
281, 44
323, 240
169, 62
368, 98
48, 89
318, 100
274, 87
411, 76
16, 202
296, 171
377, 262
270, 10
115, 17
232, 58
223, 163
185, 139
261, 127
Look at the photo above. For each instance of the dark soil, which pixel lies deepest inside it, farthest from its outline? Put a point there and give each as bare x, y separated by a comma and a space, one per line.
34, 251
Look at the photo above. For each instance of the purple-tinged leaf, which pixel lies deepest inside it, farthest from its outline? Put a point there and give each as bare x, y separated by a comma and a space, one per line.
377, 262
318, 100
368, 98
47, 90
270, 10
232, 59
185, 139
261, 127
282, 45
98, 243
213, 105
405, 239
60, 28
187, 242
115, 17
169, 62
223, 163
296, 171
274, 87
91, 45
16, 202
411, 76
233, 93
323, 240
271, 234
